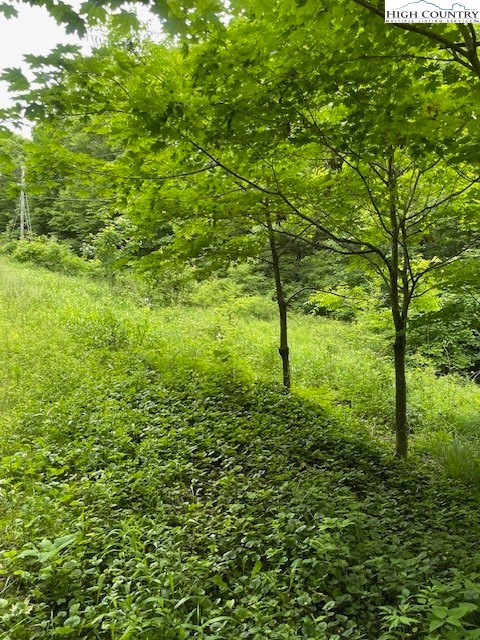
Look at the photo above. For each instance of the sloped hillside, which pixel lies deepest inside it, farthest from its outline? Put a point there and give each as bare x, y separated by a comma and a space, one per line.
149, 495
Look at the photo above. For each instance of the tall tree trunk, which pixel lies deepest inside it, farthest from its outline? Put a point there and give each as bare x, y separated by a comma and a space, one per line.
283, 350
401, 424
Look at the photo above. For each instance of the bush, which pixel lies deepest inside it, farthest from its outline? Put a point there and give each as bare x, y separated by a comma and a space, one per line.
449, 338
46, 253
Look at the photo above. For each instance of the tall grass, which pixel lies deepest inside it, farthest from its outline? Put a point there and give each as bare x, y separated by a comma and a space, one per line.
60, 331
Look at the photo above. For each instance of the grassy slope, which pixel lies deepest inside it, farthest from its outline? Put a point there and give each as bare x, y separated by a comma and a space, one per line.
150, 490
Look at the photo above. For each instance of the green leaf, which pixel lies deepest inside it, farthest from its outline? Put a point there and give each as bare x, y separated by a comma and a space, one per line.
15, 78
64, 14
125, 22
218, 580
8, 11
436, 624
304, 600
440, 612
256, 569
462, 610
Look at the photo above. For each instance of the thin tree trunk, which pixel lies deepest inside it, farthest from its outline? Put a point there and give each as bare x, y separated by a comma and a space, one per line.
401, 424
283, 350
399, 306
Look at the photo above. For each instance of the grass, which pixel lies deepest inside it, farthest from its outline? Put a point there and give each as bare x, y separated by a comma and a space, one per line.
156, 483
344, 367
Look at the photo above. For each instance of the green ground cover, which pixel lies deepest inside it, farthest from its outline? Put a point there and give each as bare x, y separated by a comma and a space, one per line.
156, 482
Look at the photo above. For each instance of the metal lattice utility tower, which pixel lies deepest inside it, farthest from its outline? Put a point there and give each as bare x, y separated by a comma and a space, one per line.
25, 219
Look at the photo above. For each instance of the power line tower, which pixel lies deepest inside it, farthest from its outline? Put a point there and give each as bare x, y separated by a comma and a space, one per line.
25, 219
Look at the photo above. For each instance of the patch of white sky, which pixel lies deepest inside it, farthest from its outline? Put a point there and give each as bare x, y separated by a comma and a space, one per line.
36, 32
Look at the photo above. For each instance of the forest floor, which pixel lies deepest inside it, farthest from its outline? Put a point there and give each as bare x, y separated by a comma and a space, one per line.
156, 482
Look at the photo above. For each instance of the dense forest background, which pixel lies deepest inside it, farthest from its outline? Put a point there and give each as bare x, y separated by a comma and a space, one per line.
265, 230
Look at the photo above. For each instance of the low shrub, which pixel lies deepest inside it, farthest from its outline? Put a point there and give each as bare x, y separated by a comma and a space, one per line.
449, 338
46, 253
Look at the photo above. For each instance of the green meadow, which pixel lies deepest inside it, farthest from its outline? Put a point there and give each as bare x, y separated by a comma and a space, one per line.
157, 483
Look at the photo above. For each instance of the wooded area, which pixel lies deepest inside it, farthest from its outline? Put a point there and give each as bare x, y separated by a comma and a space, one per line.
266, 164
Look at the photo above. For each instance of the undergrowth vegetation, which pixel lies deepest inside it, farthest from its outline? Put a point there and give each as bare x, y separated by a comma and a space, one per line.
156, 482
47, 253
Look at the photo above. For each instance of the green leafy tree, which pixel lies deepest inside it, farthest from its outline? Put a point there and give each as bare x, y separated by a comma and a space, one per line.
69, 185
12, 158
386, 186
310, 124
457, 43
